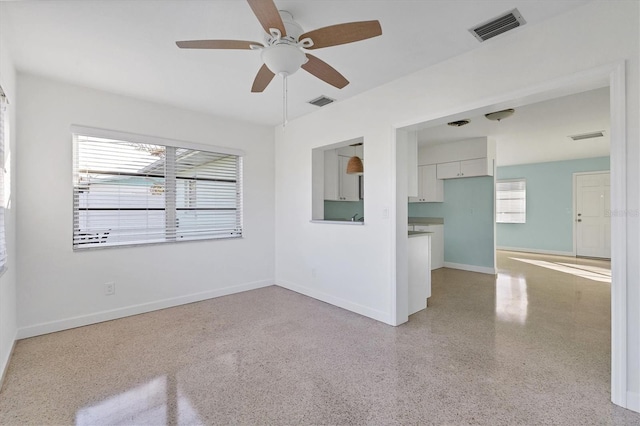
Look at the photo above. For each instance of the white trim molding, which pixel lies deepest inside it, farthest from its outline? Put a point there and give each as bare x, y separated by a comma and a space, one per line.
5, 362
471, 268
633, 401
79, 321
336, 301
537, 251
618, 170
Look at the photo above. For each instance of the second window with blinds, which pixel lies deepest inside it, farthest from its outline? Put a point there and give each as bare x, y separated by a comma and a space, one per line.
131, 189
511, 201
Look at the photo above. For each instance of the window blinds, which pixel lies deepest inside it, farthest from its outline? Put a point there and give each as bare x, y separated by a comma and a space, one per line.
130, 192
511, 201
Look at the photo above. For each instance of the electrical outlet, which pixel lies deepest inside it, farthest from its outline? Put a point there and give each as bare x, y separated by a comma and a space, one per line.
313, 272
109, 289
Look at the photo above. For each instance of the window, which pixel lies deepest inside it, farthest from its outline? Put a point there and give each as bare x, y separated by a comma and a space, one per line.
3, 138
511, 201
131, 189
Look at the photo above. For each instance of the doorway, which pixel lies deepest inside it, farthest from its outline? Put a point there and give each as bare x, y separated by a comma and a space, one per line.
609, 75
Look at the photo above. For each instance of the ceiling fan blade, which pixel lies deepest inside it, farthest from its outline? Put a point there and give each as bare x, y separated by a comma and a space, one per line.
268, 15
342, 33
217, 44
324, 72
262, 80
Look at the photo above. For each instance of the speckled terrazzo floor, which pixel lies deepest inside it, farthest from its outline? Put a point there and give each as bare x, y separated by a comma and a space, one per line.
530, 346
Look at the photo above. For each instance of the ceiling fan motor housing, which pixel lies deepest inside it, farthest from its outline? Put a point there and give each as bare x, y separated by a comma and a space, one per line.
282, 55
293, 29
283, 58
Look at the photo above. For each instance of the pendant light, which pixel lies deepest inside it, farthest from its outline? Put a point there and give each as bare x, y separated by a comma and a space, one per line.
355, 166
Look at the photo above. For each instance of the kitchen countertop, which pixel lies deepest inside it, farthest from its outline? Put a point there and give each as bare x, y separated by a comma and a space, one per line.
426, 221
419, 233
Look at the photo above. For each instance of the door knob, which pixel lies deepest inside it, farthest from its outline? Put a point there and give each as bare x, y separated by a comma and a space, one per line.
579, 220
579, 214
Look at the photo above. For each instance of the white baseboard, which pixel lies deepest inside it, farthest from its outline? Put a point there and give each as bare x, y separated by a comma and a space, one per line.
79, 321
537, 251
633, 401
6, 359
471, 268
341, 303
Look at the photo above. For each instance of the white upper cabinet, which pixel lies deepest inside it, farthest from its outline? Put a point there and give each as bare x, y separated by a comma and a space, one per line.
476, 167
448, 170
468, 158
430, 188
338, 185
349, 189
410, 139
331, 183
465, 168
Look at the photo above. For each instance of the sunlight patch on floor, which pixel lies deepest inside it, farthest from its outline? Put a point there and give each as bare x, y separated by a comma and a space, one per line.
596, 269
584, 271
150, 403
512, 301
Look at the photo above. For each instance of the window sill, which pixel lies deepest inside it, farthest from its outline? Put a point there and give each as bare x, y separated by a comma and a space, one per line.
337, 222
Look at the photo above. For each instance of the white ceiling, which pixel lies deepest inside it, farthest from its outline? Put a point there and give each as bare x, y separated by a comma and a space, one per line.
127, 47
538, 132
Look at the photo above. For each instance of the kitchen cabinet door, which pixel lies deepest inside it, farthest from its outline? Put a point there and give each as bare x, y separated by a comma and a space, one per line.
430, 188
437, 243
464, 168
331, 175
419, 272
476, 167
448, 170
348, 184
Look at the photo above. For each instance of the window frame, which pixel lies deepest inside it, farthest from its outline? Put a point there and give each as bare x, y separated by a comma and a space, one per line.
4, 140
523, 181
133, 138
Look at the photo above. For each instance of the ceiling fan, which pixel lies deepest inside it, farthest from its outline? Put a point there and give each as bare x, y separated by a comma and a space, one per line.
283, 51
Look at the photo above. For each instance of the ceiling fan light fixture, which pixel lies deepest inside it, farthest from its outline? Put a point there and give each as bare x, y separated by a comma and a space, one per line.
283, 59
499, 115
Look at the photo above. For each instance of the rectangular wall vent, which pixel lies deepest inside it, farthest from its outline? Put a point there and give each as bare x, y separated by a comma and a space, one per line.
497, 26
587, 136
321, 101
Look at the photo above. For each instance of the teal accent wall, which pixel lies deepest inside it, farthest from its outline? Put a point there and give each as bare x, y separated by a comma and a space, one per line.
467, 211
549, 219
336, 210
426, 209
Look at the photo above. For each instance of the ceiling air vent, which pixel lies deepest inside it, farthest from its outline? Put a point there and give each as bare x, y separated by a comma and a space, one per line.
497, 26
587, 136
321, 101
458, 123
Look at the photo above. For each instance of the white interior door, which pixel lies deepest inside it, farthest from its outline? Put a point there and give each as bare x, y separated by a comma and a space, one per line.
593, 222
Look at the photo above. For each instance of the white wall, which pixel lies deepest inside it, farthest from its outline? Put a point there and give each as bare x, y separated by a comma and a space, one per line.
59, 288
8, 313
355, 266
